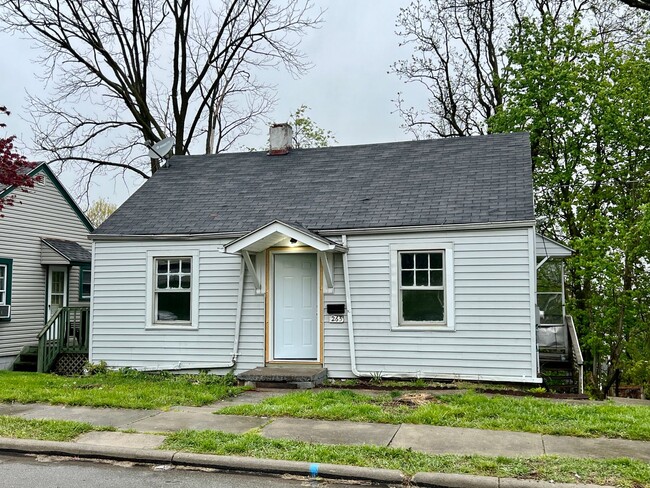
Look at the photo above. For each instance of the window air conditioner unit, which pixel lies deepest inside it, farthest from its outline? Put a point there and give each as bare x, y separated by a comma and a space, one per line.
5, 311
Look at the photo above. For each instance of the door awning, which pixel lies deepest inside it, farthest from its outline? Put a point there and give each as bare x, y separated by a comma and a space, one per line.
60, 251
276, 231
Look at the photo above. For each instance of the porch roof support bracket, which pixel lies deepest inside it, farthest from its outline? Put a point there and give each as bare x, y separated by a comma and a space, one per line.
539, 265
252, 270
328, 270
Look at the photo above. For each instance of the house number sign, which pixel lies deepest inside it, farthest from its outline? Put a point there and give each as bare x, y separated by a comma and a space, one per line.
337, 319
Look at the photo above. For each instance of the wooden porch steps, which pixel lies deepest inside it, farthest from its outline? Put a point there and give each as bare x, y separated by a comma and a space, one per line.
27, 359
284, 376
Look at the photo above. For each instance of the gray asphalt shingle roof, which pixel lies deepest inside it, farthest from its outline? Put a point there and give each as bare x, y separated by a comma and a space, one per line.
70, 250
444, 181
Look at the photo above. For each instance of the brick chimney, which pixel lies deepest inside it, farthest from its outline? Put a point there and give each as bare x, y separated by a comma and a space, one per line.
280, 137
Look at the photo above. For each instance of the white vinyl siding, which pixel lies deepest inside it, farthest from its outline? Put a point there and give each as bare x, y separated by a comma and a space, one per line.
494, 330
493, 290
42, 212
120, 336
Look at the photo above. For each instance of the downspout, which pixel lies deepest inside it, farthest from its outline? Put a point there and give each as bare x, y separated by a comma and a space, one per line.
348, 306
353, 358
179, 366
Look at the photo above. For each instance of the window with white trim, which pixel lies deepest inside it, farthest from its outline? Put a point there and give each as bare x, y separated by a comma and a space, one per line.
4, 274
172, 290
421, 287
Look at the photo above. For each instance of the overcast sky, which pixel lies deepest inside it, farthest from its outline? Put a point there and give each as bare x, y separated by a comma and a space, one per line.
348, 90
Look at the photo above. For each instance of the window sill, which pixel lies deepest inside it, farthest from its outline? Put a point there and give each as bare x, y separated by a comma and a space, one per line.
186, 326
423, 328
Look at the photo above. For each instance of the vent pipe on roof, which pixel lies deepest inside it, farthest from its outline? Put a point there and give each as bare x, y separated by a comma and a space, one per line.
280, 138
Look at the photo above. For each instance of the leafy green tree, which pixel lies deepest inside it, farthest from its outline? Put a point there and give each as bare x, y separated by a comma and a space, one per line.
306, 133
99, 211
583, 102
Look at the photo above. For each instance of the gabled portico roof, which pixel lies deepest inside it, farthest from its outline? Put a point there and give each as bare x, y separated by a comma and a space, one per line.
276, 231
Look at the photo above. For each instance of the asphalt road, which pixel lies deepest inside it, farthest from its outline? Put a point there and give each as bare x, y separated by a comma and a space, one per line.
57, 472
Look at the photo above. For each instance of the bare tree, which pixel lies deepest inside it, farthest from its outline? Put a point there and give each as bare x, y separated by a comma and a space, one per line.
641, 4
457, 54
122, 72
457, 60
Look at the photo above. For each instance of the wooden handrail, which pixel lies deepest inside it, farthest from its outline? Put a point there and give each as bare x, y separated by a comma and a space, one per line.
67, 331
49, 323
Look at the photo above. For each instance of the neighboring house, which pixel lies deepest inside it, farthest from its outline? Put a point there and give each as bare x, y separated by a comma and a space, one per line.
408, 259
44, 261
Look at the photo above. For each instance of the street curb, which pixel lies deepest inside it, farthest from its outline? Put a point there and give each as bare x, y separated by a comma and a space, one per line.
229, 463
272, 466
56, 448
300, 468
445, 480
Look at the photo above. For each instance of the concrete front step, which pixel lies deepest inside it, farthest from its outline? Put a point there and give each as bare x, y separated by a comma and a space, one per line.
285, 376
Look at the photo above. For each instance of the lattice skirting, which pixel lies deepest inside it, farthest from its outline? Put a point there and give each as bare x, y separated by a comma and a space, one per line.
70, 364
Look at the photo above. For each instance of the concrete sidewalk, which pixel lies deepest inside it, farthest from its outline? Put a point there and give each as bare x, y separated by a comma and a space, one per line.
423, 438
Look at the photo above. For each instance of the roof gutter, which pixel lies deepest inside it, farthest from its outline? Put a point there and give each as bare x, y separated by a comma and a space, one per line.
325, 232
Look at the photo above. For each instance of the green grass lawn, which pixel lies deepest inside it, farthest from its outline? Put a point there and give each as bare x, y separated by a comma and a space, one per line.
46, 430
116, 389
617, 472
525, 414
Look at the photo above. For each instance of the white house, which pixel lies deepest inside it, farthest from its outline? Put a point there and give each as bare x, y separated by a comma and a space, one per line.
408, 259
44, 264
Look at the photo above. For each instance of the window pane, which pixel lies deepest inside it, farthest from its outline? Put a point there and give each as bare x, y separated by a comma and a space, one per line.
422, 277
162, 265
423, 305
174, 266
551, 305
162, 281
173, 306
2, 297
58, 282
185, 266
421, 261
407, 278
185, 281
173, 281
407, 261
85, 290
436, 278
435, 259
549, 276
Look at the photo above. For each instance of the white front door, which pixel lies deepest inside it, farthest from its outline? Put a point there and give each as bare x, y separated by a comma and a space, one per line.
57, 288
295, 305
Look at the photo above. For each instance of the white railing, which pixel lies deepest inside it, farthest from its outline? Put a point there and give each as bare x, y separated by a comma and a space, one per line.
577, 353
